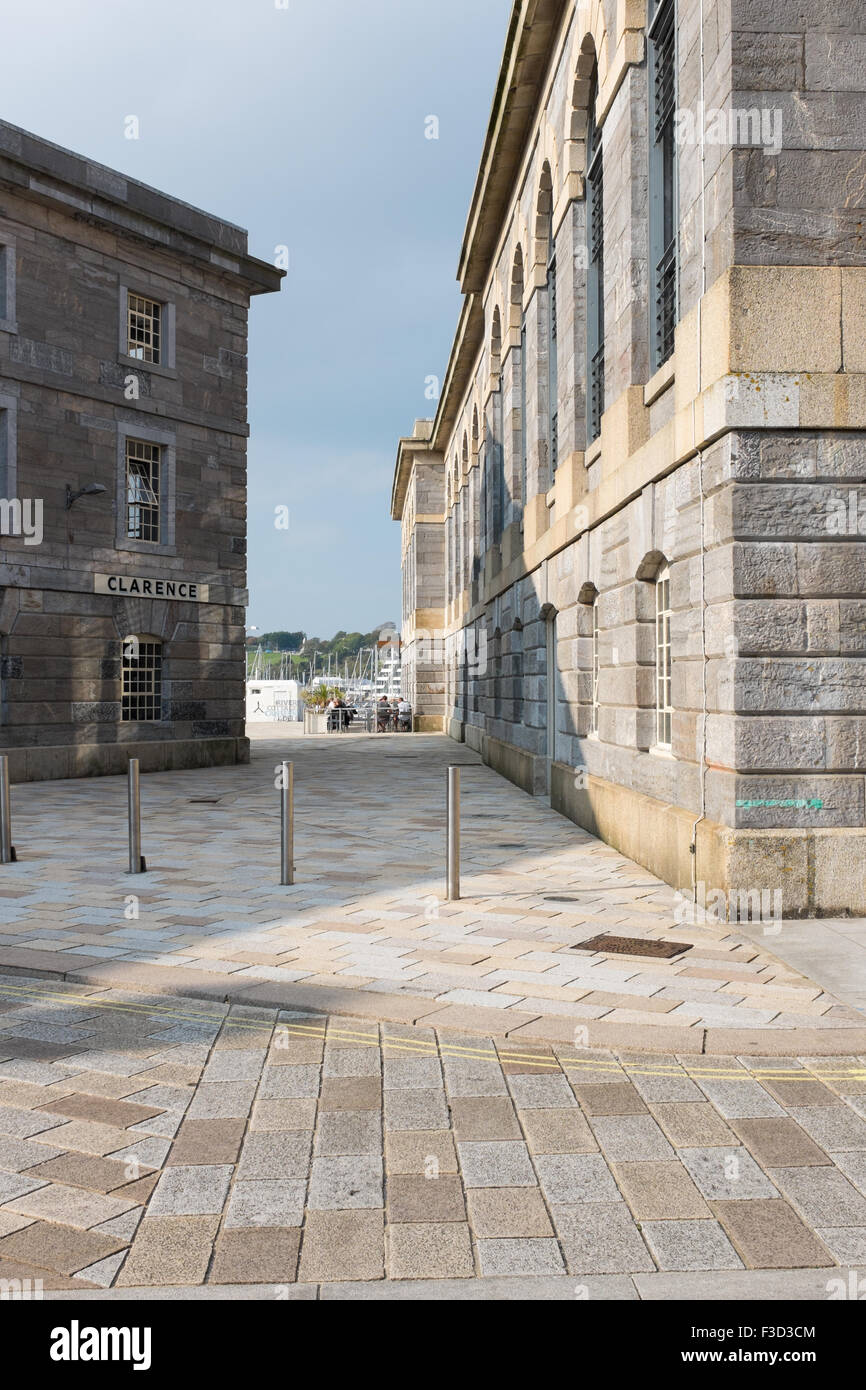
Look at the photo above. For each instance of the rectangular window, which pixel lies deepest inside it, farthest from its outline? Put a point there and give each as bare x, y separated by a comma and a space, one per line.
663, 660
594, 275
663, 182
595, 668
143, 462
552, 358
524, 452
142, 680
143, 328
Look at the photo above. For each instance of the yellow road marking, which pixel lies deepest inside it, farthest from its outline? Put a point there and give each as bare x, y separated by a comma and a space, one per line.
427, 1047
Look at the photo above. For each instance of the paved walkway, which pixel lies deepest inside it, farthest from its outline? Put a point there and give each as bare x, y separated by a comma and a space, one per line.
365, 932
149, 1143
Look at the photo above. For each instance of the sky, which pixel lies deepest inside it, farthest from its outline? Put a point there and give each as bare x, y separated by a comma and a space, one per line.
304, 121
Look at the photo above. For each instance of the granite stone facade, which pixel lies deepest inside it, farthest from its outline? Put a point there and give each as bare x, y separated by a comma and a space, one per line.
76, 241
734, 472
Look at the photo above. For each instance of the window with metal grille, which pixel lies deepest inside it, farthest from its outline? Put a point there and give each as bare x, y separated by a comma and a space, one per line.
595, 272
142, 680
552, 355
595, 668
524, 418
501, 493
663, 181
664, 710
142, 490
143, 328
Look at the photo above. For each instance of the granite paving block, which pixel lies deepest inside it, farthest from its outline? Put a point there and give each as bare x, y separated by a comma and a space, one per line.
69, 1206
223, 1100
805, 1091
342, 1245
768, 1234
349, 1132
779, 1143
24, 1124
61, 1248
420, 1151
411, 1073
266, 1203
822, 1196
415, 1110
847, 1244
234, 1064
484, 1117
411, 1197
279, 1155
626, 1137
344, 1183
541, 1092
727, 1173
83, 1170
501, 1163
496, 1212
473, 1076
520, 1256
193, 1190
169, 1250
17, 1155
600, 1238
262, 1255
853, 1164
832, 1126
351, 1061
351, 1093
693, 1126
690, 1245
659, 1191
608, 1098
739, 1100
14, 1185
207, 1141
102, 1109
276, 1115
558, 1131
570, 1178
430, 1251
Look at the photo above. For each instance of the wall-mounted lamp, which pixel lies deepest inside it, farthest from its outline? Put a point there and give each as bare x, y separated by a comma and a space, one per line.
91, 490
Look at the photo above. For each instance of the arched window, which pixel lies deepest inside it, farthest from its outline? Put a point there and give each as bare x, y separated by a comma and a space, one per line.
664, 709
662, 180
519, 315
593, 721
141, 697
552, 356
595, 270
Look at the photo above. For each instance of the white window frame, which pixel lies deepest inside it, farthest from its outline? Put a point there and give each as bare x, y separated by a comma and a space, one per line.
663, 663
8, 320
594, 705
167, 363
8, 447
130, 655
129, 429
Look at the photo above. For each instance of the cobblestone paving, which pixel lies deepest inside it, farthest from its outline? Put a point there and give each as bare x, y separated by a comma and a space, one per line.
365, 931
154, 1143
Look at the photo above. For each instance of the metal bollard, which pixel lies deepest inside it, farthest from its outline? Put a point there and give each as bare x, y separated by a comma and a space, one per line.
287, 824
7, 849
137, 863
453, 835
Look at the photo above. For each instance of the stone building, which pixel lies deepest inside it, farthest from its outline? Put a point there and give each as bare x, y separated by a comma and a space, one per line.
123, 430
634, 535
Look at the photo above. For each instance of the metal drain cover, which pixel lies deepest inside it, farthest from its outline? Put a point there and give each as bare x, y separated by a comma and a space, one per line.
634, 946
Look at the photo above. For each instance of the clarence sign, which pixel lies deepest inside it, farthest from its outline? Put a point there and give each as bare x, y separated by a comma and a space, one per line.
128, 586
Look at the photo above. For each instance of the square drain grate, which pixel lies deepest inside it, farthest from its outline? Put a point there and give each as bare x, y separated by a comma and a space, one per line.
633, 946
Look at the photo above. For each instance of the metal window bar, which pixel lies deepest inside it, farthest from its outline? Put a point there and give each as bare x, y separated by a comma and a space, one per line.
663, 662
596, 393
141, 699
142, 490
143, 328
665, 295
